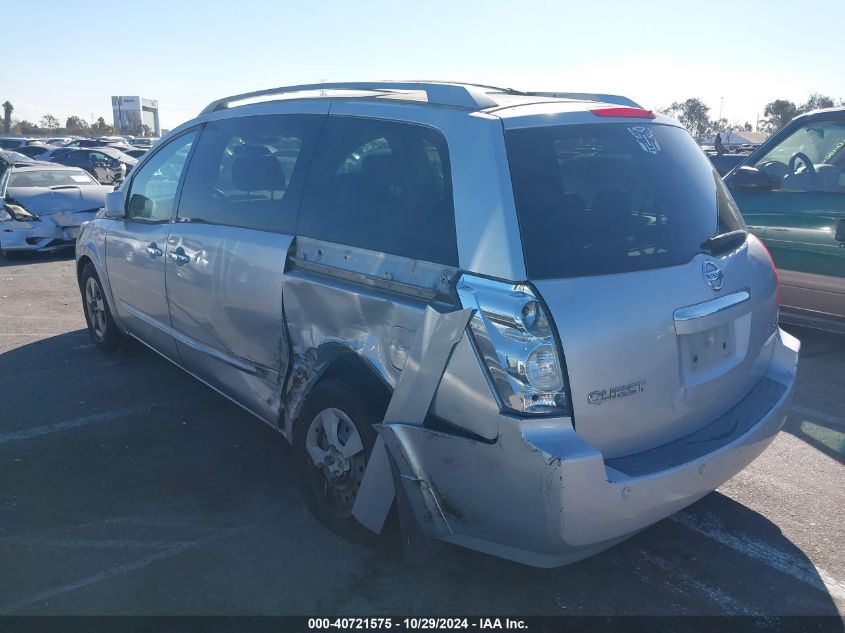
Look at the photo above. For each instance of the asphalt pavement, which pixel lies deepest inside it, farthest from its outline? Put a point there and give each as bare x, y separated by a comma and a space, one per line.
127, 487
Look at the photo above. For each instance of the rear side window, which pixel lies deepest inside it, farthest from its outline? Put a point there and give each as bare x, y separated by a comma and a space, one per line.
248, 172
599, 199
383, 186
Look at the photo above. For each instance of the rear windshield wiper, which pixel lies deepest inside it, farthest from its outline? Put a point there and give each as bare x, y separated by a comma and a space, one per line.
724, 242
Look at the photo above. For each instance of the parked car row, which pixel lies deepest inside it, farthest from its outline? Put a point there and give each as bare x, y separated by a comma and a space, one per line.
14, 142
109, 164
106, 168
49, 190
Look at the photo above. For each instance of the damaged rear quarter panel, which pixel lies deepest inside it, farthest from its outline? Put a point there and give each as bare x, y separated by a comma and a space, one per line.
340, 299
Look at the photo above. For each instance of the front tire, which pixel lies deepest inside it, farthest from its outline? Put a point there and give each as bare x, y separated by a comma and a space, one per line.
333, 440
101, 325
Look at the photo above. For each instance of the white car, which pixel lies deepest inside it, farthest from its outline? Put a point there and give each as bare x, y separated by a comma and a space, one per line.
45, 205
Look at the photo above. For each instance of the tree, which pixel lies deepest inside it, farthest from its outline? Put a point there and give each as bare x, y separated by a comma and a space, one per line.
7, 116
815, 102
26, 128
747, 127
778, 113
50, 122
101, 128
694, 115
75, 125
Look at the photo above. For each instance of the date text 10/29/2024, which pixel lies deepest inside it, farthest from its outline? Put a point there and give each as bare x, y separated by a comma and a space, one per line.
436, 624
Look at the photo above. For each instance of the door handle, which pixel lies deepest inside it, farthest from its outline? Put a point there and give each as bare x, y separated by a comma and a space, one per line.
153, 250
179, 256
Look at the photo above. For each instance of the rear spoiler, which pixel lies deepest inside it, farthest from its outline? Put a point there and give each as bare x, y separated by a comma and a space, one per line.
589, 96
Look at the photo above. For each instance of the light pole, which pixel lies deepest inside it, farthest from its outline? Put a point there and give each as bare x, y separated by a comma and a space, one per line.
721, 105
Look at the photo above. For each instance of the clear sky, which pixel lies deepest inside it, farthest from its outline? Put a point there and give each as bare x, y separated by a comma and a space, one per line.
69, 57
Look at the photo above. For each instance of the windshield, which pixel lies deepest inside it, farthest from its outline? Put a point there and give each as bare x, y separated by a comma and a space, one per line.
17, 157
51, 178
599, 199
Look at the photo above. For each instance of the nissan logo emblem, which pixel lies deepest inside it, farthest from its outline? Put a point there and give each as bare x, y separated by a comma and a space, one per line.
713, 275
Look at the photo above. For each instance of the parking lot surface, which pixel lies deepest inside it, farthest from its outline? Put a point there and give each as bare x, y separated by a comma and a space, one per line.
127, 487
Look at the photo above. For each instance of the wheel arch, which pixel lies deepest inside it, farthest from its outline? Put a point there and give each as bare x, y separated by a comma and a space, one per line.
89, 252
330, 360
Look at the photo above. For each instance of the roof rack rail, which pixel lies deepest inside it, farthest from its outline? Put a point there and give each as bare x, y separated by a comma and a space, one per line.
588, 96
447, 94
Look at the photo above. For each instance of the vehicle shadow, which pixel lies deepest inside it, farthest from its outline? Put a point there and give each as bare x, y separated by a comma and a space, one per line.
131, 488
819, 389
19, 259
717, 557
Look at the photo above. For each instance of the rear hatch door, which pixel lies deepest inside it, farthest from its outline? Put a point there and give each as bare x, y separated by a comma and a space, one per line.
661, 331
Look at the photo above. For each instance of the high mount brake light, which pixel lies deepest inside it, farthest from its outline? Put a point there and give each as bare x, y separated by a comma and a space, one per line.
624, 112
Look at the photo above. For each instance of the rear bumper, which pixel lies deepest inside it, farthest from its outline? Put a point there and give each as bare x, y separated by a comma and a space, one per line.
542, 496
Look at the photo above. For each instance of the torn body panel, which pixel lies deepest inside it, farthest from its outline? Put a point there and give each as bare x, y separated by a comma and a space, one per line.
340, 300
426, 362
543, 496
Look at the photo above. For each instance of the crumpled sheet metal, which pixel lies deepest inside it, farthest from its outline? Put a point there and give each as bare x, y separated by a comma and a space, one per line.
436, 338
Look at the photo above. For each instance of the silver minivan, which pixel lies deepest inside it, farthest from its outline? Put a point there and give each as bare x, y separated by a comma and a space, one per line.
531, 324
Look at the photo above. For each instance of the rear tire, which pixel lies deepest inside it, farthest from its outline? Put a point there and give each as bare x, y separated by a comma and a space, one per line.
330, 465
101, 325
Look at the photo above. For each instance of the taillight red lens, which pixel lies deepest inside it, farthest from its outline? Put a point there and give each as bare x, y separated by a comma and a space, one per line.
775, 268
624, 112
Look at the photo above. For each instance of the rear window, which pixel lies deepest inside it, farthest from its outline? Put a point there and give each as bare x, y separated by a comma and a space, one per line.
599, 199
383, 186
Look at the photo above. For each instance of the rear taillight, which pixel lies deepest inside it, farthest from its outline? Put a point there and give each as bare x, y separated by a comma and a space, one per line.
623, 112
775, 269
515, 338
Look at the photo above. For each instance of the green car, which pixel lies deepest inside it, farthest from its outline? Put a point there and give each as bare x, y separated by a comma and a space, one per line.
791, 192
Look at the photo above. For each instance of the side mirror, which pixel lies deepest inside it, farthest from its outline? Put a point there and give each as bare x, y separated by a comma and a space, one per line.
115, 207
748, 178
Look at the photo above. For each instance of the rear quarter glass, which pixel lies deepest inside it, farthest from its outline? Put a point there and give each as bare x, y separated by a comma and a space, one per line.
600, 199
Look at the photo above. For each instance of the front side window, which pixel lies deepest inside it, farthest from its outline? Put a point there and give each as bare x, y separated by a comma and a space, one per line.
75, 158
98, 159
812, 158
383, 186
247, 171
152, 193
